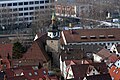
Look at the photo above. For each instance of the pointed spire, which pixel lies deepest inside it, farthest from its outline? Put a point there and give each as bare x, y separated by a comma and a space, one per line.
53, 16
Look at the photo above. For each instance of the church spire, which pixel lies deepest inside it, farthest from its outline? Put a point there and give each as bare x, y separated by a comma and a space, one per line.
53, 18
53, 30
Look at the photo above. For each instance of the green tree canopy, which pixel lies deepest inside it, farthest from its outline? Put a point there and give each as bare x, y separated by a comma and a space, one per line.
18, 50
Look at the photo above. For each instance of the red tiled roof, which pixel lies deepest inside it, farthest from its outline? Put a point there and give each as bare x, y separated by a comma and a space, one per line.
6, 49
37, 50
72, 36
113, 58
28, 72
77, 62
18, 78
106, 55
80, 71
115, 72
74, 54
5, 62
9, 73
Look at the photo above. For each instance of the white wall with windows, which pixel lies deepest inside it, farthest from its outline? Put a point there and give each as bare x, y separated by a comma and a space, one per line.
23, 9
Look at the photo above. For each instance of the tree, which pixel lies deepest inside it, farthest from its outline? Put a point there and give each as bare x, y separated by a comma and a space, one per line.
41, 19
18, 50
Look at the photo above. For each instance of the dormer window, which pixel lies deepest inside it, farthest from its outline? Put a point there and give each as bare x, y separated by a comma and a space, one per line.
30, 74
35, 73
110, 36
102, 36
83, 37
93, 37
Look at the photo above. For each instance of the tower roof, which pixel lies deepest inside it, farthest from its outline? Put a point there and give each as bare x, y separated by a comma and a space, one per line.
53, 26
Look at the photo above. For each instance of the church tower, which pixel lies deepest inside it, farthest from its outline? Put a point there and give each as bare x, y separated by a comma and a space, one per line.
53, 36
53, 41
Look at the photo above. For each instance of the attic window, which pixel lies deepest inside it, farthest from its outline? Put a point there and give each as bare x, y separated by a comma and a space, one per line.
66, 57
93, 37
102, 36
35, 73
110, 36
30, 74
116, 72
83, 37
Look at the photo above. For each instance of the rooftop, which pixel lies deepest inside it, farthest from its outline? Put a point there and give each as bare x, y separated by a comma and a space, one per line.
91, 35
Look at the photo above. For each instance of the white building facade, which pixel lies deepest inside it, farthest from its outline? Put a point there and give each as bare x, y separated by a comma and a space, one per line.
22, 10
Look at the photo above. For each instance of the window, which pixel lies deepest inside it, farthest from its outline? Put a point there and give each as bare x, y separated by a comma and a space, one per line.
83, 37
93, 37
3, 5
36, 2
31, 13
21, 3
44, 72
20, 19
14, 4
26, 8
31, 2
31, 8
110, 36
41, 2
46, 1
26, 18
37, 7
20, 9
20, 14
41, 7
25, 3
51, 41
9, 4
15, 9
46, 6
31, 18
26, 13
35, 73
10, 10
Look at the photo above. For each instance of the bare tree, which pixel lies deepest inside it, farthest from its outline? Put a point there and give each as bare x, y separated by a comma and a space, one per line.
41, 20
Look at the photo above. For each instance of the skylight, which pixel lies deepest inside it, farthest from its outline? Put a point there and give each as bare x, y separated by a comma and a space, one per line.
30, 74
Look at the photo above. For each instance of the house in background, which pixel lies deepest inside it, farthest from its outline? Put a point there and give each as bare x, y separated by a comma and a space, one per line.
29, 73
79, 72
102, 37
117, 63
116, 49
35, 55
71, 8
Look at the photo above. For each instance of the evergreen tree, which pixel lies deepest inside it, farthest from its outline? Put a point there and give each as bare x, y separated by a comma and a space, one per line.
18, 50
